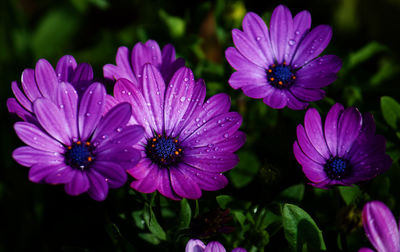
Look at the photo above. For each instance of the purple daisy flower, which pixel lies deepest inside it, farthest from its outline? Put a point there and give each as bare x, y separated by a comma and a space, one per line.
130, 63
188, 142
73, 144
195, 245
380, 227
43, 82
344, 152
280, 65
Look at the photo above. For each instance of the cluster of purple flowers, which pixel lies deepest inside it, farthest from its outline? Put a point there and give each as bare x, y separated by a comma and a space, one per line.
159, 128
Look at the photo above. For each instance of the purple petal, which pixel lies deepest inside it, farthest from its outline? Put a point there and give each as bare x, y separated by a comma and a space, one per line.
52, 119
319, 72
98, 189
145, 53
301, 25
79, 183
65, 68
381, 227
113, 122
215, 130
257, 30
209, 181
249, 49
67, 101
195, 245
153, 92
149, 183
306, 94
331, 127
281, 30
111, 171
312, 45
46, 79
21, 97
91, 109
313, 171
215, 162
178, 98
183, 185
307, 147
33, 136
313, 127
27, 156
276, 99
29, 84
165, 186
214, 246
349, 127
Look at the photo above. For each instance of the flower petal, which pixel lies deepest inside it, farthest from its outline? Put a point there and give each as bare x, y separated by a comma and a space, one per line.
65, 68
35, 137
79, 183
381, 227
331, 127
46, 79
312, 45
281, 31
183, 185
91, 108
52, 119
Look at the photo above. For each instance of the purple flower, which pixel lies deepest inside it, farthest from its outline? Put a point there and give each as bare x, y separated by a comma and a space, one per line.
130, 64
43, 82
280, 66
188, 142
380, 227
344, 152
195, 245
73, 144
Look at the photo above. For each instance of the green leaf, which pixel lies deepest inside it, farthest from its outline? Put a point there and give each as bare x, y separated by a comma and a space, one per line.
185, 214
349, 193
152, 223
245, 171
300, 229
391, 111
294, 193
365, 53
223, 200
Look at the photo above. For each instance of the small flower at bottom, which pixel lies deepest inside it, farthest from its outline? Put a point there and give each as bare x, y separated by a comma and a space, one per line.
380, 227
344, 152
73, 144
195, 245
188, 142
281, 65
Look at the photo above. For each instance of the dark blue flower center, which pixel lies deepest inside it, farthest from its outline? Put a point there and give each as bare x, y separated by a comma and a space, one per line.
337, 168
280, 76
79, 155
163, 150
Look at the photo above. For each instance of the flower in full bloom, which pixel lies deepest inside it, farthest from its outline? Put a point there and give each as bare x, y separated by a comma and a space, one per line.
73, 144
195, 245
130, 63
43, 81
345, 151
188, 142
380, 227
281, 65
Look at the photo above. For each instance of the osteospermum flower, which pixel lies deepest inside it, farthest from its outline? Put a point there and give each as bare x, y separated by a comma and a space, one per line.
43, 81
195, 245
280, 65
130, 63
344, 152
73, 145
380, 227
188, 142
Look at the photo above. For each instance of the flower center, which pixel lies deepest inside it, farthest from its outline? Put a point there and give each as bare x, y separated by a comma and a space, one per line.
79, 155
280, 75
163, 150
337, 168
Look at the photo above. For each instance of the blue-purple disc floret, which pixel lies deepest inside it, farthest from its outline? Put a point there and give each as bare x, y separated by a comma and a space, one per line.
281, 64
344, 151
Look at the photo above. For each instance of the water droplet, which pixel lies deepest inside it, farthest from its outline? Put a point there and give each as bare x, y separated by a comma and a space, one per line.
183, 98
292, 42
